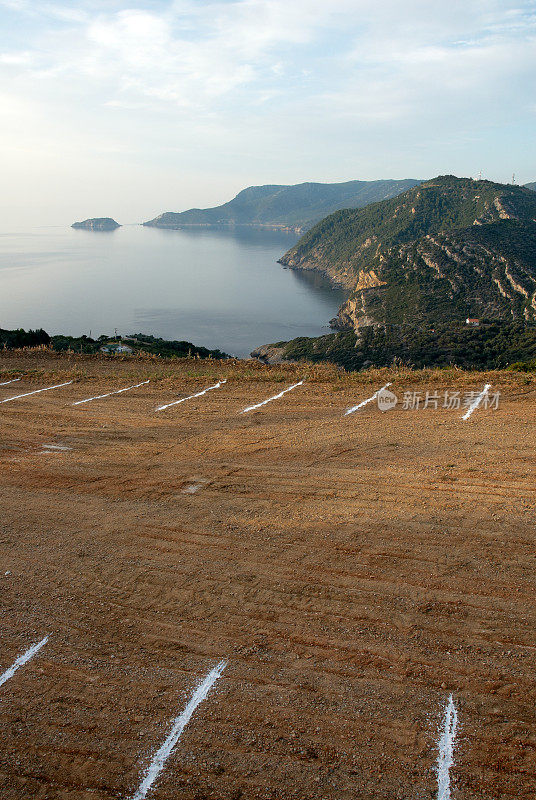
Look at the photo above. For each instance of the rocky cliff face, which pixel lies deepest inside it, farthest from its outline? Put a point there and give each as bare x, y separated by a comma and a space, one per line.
269, 353
342, 272
448, 249
97, 224
486, 271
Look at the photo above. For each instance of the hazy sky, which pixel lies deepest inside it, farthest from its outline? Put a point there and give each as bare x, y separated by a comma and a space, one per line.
129, 109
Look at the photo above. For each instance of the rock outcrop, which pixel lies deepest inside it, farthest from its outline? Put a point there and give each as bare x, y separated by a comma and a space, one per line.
269, 354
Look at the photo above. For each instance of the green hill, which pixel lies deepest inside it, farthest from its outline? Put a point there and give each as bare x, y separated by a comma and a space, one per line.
531, 186
447, 249
297, 206
493, 345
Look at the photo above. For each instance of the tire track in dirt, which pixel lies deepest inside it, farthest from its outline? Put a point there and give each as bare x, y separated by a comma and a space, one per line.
346, 591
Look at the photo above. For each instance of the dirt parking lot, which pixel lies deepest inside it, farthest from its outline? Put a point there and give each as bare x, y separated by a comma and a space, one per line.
353, 571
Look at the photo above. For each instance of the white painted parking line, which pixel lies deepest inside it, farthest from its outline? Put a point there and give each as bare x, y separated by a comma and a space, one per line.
21, 660
179, 724
367, 401
54, 450
101, 396
194, 487
192, 396
445, 758
476, 402
27, 394
5, 383
275, 397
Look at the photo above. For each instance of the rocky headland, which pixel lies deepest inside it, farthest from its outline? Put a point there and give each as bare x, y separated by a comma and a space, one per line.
445, 250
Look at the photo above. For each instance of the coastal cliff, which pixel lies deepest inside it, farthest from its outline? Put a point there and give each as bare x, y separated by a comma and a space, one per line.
448, 249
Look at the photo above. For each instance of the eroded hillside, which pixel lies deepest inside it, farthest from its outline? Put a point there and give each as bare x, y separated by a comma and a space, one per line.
447, 249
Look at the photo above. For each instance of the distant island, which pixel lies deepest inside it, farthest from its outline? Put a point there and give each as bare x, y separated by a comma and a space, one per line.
286, 207
97, 224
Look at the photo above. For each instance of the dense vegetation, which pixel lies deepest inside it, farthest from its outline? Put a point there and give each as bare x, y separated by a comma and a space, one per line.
286, 206
22, 338
447, 249
149, 344
466, 273
494, 345
139, 343
445, 203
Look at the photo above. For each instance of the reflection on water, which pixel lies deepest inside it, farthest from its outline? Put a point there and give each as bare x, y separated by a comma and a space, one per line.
216, 287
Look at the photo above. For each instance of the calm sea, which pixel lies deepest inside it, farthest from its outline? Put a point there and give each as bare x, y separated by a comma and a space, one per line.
217, 288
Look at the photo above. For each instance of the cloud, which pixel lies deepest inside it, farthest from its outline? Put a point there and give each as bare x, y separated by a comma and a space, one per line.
270, 88
183, 53
195, 55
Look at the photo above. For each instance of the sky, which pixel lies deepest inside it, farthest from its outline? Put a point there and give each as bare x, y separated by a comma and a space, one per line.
129, 109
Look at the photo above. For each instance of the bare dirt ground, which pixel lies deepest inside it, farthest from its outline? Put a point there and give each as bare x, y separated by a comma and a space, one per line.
354, 571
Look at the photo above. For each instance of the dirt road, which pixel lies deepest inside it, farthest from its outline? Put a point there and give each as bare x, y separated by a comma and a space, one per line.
352, 571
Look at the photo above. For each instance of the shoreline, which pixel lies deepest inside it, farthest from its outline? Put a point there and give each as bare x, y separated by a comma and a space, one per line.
219, 225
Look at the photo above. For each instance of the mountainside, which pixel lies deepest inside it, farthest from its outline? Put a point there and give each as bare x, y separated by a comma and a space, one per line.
97, 224
447, 249
531, 186
296, 207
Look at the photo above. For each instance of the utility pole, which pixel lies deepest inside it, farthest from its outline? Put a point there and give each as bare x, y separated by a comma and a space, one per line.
514, 178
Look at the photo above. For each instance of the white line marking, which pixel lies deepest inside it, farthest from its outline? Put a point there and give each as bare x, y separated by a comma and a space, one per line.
59, 447
179, 724
193, 488
100, 396
21, 660
27, 394
445, 758
366, 402
184, 399
476, 402
13, 381
275, 397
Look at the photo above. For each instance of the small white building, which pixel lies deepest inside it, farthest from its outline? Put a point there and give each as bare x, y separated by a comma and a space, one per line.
117, 349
